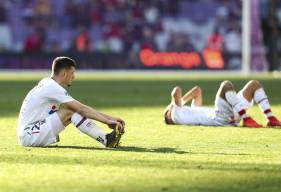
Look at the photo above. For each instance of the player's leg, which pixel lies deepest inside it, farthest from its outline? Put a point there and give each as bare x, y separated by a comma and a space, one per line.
254, 90
88, 127
225, 86
249, 90
227, 92
65, 116
43, 132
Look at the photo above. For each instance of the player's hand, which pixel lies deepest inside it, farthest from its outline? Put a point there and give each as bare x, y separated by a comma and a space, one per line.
120, 121
116, 124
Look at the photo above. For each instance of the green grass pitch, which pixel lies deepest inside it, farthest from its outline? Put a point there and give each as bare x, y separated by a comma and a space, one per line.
153, 156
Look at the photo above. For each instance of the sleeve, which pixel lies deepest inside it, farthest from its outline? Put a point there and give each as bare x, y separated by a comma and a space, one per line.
58, 93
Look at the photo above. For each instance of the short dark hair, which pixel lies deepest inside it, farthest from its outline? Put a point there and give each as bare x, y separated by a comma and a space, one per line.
60, 63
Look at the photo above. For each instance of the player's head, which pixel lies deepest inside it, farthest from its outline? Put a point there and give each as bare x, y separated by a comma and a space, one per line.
64, 68
167, 116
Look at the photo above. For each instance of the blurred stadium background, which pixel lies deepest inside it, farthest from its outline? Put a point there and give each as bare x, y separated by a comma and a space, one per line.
142, 34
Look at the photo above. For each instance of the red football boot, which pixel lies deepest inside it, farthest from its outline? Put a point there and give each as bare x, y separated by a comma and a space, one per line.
273, 122
249, 122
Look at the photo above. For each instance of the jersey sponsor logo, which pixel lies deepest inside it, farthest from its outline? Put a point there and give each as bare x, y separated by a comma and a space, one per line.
54, 109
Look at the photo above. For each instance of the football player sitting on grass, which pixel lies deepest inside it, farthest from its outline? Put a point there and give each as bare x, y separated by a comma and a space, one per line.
41, 119
229, 108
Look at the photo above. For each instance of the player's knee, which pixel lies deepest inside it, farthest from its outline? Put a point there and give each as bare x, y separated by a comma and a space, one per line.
227, 85
68, 113
177, 88
255, 83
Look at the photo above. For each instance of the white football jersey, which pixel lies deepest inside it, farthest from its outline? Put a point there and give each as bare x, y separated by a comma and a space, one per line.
186, 115
41, 101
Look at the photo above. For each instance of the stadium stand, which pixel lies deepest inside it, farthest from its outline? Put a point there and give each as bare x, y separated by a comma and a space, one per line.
112, 25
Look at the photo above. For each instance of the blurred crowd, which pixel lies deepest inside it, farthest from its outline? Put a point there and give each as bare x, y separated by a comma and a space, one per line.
119, 26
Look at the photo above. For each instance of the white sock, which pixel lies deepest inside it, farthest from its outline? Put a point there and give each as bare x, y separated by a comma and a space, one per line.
261, 99
89, 128
233, 100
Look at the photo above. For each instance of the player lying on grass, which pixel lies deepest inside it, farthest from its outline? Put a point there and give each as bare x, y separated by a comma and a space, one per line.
41, 118
229, 109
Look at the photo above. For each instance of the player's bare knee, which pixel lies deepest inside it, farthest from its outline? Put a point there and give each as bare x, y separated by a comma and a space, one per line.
227, 86
177, 89
69, 113
227, 83
65, 114
255, 83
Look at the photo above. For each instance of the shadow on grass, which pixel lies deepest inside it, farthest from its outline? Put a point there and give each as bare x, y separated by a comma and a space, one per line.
143, 150
134, 161
124, 148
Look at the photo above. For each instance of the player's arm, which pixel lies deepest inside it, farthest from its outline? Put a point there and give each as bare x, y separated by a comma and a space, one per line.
194, 94
115, 118
91, 113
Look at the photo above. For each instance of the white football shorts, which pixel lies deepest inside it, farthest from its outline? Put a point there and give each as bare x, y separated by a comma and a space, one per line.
224, 112
42, 133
